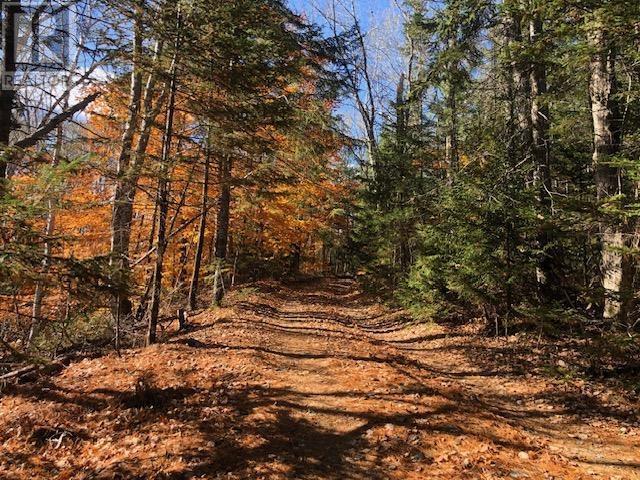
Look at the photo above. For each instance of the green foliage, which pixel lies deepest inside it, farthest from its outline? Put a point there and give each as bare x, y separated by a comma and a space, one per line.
478, 235
471, 252
78, 328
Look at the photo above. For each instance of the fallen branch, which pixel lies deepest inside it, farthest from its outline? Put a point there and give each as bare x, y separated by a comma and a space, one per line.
39, 365
50, 367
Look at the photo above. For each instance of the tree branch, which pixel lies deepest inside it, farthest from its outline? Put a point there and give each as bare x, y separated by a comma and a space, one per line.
42, 132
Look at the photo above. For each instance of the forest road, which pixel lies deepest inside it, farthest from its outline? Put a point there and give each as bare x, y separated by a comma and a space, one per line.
314, 380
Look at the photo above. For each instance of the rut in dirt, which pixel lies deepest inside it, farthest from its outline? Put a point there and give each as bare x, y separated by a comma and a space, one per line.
311, 381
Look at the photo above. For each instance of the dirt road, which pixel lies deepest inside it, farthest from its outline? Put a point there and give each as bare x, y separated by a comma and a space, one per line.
314, 381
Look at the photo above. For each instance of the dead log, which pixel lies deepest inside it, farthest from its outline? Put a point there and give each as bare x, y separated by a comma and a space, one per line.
51, 367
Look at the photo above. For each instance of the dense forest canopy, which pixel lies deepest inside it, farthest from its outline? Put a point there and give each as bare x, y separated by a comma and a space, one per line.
462, 158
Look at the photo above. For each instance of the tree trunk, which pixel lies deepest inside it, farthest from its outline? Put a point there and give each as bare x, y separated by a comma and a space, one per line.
521, 89
614, 264
222, 227
197, 261
163, 194
122, 201
156, 292
36, 312
127, 183
126, 187
451, 135
295, 260
7, 94
541, 159
403, 119
451, 138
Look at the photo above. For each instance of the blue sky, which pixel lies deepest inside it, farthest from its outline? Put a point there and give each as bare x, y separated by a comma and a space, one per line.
370, 10
382, 25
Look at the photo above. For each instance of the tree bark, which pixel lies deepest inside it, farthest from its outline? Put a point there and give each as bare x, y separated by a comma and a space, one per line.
36, 315
403, 119
7, 94
122, 200
451, 138
222, 227
295, 259
163, 195
451, 135
541, 158
197, 261
521, 88
127, 183
614, 264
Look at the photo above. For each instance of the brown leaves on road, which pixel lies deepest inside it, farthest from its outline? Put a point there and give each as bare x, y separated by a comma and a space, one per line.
313, 381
